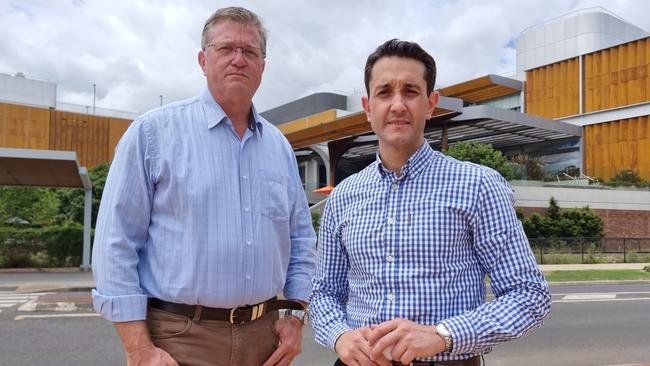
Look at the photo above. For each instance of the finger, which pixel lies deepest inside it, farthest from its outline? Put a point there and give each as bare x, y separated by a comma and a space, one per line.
407, 357
398, 351
389, 340
275, 357
284, 361
381, 330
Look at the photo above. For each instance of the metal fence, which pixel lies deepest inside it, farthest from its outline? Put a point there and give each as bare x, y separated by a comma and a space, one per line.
591, 250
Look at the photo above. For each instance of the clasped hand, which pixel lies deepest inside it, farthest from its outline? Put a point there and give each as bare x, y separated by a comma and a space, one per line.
399, 340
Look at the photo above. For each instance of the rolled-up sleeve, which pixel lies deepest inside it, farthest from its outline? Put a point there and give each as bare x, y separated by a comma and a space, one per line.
122, 226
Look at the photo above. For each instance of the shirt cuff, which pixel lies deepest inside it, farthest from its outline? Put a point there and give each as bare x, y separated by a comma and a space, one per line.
298, 290
463, 334
122, 308
335, 332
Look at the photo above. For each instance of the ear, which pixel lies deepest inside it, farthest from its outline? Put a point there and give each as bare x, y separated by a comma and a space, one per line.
366, 107
201, 59
434, 98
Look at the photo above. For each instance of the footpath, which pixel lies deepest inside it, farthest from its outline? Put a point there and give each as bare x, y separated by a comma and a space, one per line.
74, 280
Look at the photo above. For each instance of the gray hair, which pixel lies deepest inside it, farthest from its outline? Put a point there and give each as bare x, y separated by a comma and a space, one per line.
239, 15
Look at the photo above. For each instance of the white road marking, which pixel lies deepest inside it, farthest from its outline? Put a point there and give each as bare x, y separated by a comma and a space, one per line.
9, 298
23, 317
603, 300
589, 296
28, 306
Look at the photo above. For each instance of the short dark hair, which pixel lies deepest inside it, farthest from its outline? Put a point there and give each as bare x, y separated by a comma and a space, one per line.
395, 47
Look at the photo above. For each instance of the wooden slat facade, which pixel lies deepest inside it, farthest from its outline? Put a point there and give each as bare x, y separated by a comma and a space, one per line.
617, 145
617, 76
24, 127
552, 91
116, 129
92, 137
85, 134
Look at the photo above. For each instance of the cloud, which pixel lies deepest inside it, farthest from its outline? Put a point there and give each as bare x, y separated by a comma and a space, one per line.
136, 50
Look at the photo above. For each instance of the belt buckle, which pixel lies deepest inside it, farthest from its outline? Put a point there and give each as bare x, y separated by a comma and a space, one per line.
232, 317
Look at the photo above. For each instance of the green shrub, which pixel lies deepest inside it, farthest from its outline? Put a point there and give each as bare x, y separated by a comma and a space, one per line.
17, 246
52, 246
483, 154
646, 268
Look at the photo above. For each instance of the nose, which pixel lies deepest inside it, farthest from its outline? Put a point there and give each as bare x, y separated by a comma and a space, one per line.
397, 104
238, 58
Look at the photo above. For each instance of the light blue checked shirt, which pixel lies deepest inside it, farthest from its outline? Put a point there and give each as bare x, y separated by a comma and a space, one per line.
193, 214
418, 247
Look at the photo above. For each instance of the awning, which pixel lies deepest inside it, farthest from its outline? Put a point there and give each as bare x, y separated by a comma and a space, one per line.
486, 124
483, 88
49, 168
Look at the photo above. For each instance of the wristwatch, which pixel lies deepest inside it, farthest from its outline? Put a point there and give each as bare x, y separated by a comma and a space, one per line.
444, 332
300, 314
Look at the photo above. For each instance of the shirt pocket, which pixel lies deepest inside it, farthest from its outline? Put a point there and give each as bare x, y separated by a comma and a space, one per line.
273, 196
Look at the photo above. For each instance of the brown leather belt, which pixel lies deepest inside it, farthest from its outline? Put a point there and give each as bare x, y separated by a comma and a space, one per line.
474, 361
238, 315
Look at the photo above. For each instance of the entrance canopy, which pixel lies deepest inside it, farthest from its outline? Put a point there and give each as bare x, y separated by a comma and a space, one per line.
484, 124
49, 168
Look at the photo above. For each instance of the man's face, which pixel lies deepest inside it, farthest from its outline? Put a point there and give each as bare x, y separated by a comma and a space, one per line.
397, 105
235, 74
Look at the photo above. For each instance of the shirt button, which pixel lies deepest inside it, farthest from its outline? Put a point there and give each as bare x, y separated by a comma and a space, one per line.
394, 186
245, 177
248, 242
391, 296
246, 209
248, 277
389, 258
391, 220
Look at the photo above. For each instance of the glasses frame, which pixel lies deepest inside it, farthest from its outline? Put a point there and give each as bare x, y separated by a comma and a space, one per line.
228, 50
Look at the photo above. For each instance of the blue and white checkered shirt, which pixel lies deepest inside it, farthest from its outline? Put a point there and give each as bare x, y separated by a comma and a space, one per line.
193, 214
419, 247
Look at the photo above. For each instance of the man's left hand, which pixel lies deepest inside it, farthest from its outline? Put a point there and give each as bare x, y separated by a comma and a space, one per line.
289, 331
407, 339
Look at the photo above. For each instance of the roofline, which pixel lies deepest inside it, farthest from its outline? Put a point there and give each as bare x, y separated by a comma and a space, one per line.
488, 112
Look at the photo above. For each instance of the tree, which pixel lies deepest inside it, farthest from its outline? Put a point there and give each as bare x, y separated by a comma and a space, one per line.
34, 204
72, 200
483, 154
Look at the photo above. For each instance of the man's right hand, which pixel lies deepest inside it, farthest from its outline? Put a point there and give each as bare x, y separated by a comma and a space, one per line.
353, 349
149, 356
139, 349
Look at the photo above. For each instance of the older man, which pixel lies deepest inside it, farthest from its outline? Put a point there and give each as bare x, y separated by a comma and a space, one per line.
204, 220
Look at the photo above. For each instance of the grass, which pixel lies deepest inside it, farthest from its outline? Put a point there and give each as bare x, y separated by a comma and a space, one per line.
597, 275
567, 258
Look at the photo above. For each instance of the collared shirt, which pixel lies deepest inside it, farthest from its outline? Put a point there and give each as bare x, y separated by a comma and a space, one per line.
193, 214
419, 247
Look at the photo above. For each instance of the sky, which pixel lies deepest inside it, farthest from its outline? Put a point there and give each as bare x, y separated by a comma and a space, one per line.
134, 51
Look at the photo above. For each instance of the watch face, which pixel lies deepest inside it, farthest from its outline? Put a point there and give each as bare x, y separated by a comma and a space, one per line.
297, 313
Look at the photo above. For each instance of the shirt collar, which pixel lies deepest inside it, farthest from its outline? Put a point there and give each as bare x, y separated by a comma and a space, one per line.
414, 165
215, 114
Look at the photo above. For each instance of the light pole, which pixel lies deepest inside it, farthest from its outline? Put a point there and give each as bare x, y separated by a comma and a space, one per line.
94, 94
161, 100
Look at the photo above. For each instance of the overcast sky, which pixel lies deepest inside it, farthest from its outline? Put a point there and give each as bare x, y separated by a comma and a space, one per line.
135, 50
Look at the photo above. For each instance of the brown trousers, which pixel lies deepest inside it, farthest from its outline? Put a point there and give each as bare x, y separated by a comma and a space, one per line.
211, 342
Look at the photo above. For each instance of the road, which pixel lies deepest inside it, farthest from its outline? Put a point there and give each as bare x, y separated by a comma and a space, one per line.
589, 325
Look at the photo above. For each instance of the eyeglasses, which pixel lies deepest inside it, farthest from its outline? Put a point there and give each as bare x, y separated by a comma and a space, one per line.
228, 50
